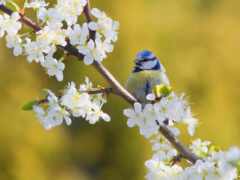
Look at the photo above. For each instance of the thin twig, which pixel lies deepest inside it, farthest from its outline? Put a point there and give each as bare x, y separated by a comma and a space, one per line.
117, 88
91, 92
98, 91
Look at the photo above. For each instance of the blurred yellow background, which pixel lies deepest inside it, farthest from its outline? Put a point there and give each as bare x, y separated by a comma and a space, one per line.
197, 41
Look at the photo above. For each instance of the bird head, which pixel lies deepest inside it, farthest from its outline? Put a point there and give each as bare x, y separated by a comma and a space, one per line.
146, 60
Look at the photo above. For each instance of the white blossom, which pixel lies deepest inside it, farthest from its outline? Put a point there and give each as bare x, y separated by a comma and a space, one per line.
15, 42
50, 16
9, 24
174, 108
78, 103
159, 170
53, 35
104, 25
78, 35
134, 115
200, 147
54, 115
96, 113
233, 155
192, 123
36, 50
142, 118
54, 67
71, 9
35, 4
87, 85
162, 149
94, 51
63, 11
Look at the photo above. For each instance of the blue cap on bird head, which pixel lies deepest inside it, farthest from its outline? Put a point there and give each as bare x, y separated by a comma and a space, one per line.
145, 55
146, 60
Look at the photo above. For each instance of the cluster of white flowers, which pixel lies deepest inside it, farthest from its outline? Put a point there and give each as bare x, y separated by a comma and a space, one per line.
162, 149
74, 102
169, 111
62, 11
215, 165
105, 34
58, 25
54, 114
162, 165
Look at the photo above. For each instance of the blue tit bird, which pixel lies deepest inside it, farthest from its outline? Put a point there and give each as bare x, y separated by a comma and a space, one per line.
147, 73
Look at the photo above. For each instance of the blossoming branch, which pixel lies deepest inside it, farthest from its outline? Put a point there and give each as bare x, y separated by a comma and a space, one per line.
58, 31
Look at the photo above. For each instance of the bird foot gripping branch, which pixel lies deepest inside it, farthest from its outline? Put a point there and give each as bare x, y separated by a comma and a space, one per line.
92, 41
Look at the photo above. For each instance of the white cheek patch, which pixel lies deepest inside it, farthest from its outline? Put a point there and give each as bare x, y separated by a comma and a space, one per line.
148, 64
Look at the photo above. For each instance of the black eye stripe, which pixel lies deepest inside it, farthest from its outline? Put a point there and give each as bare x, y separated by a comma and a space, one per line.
145, 60
152, 59
138, 68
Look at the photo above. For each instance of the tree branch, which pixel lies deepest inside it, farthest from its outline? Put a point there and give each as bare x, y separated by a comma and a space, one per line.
183, 151
117, 88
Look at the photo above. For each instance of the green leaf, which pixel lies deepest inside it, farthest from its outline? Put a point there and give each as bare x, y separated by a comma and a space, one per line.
29, 105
